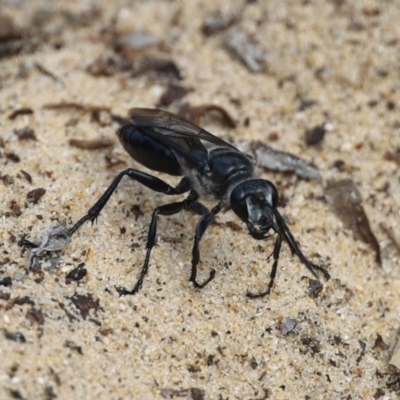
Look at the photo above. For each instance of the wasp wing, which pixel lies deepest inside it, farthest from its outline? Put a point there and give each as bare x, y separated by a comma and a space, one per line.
179, 134
188, 148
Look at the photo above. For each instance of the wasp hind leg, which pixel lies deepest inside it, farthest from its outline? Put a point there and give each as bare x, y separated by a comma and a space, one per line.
167, 209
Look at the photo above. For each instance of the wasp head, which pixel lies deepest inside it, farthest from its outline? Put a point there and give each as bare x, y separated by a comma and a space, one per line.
254, 202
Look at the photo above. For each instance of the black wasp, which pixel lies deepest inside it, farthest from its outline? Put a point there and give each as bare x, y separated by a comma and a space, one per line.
211, 168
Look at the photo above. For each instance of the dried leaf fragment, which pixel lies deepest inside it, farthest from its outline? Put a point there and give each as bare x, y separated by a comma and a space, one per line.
194, 113
34, 195
54, 238
93, 144
247, 49
20, 111
345, 200
85, 303
275, 160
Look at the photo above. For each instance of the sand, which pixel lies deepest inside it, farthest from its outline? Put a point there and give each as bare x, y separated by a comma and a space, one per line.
331, 64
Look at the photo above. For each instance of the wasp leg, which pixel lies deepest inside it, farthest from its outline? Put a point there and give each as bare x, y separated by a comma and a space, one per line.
277, 250
167, 209
200, 229
150, 181
295, 248
199, 208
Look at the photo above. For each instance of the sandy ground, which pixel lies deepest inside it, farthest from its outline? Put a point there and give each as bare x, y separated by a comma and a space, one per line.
327, 62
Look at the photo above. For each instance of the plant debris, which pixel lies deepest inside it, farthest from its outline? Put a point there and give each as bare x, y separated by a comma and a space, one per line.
314, 287
72, 105
275, 160
25, 133
109, 64
26, 176
135, 40
288, 326
247, 49
160, 65
15, 336
19, 301
69, 344
76, 274
345, 200
100, 114
14, 40
218, 21
20, 111
54, 238
85, 303
43, 70
70, 316
93, 144
7, 179
171, 94
13, 157
194, 113
35, 195
97, 113
313, 345
315, 135
7, 281
35, 316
